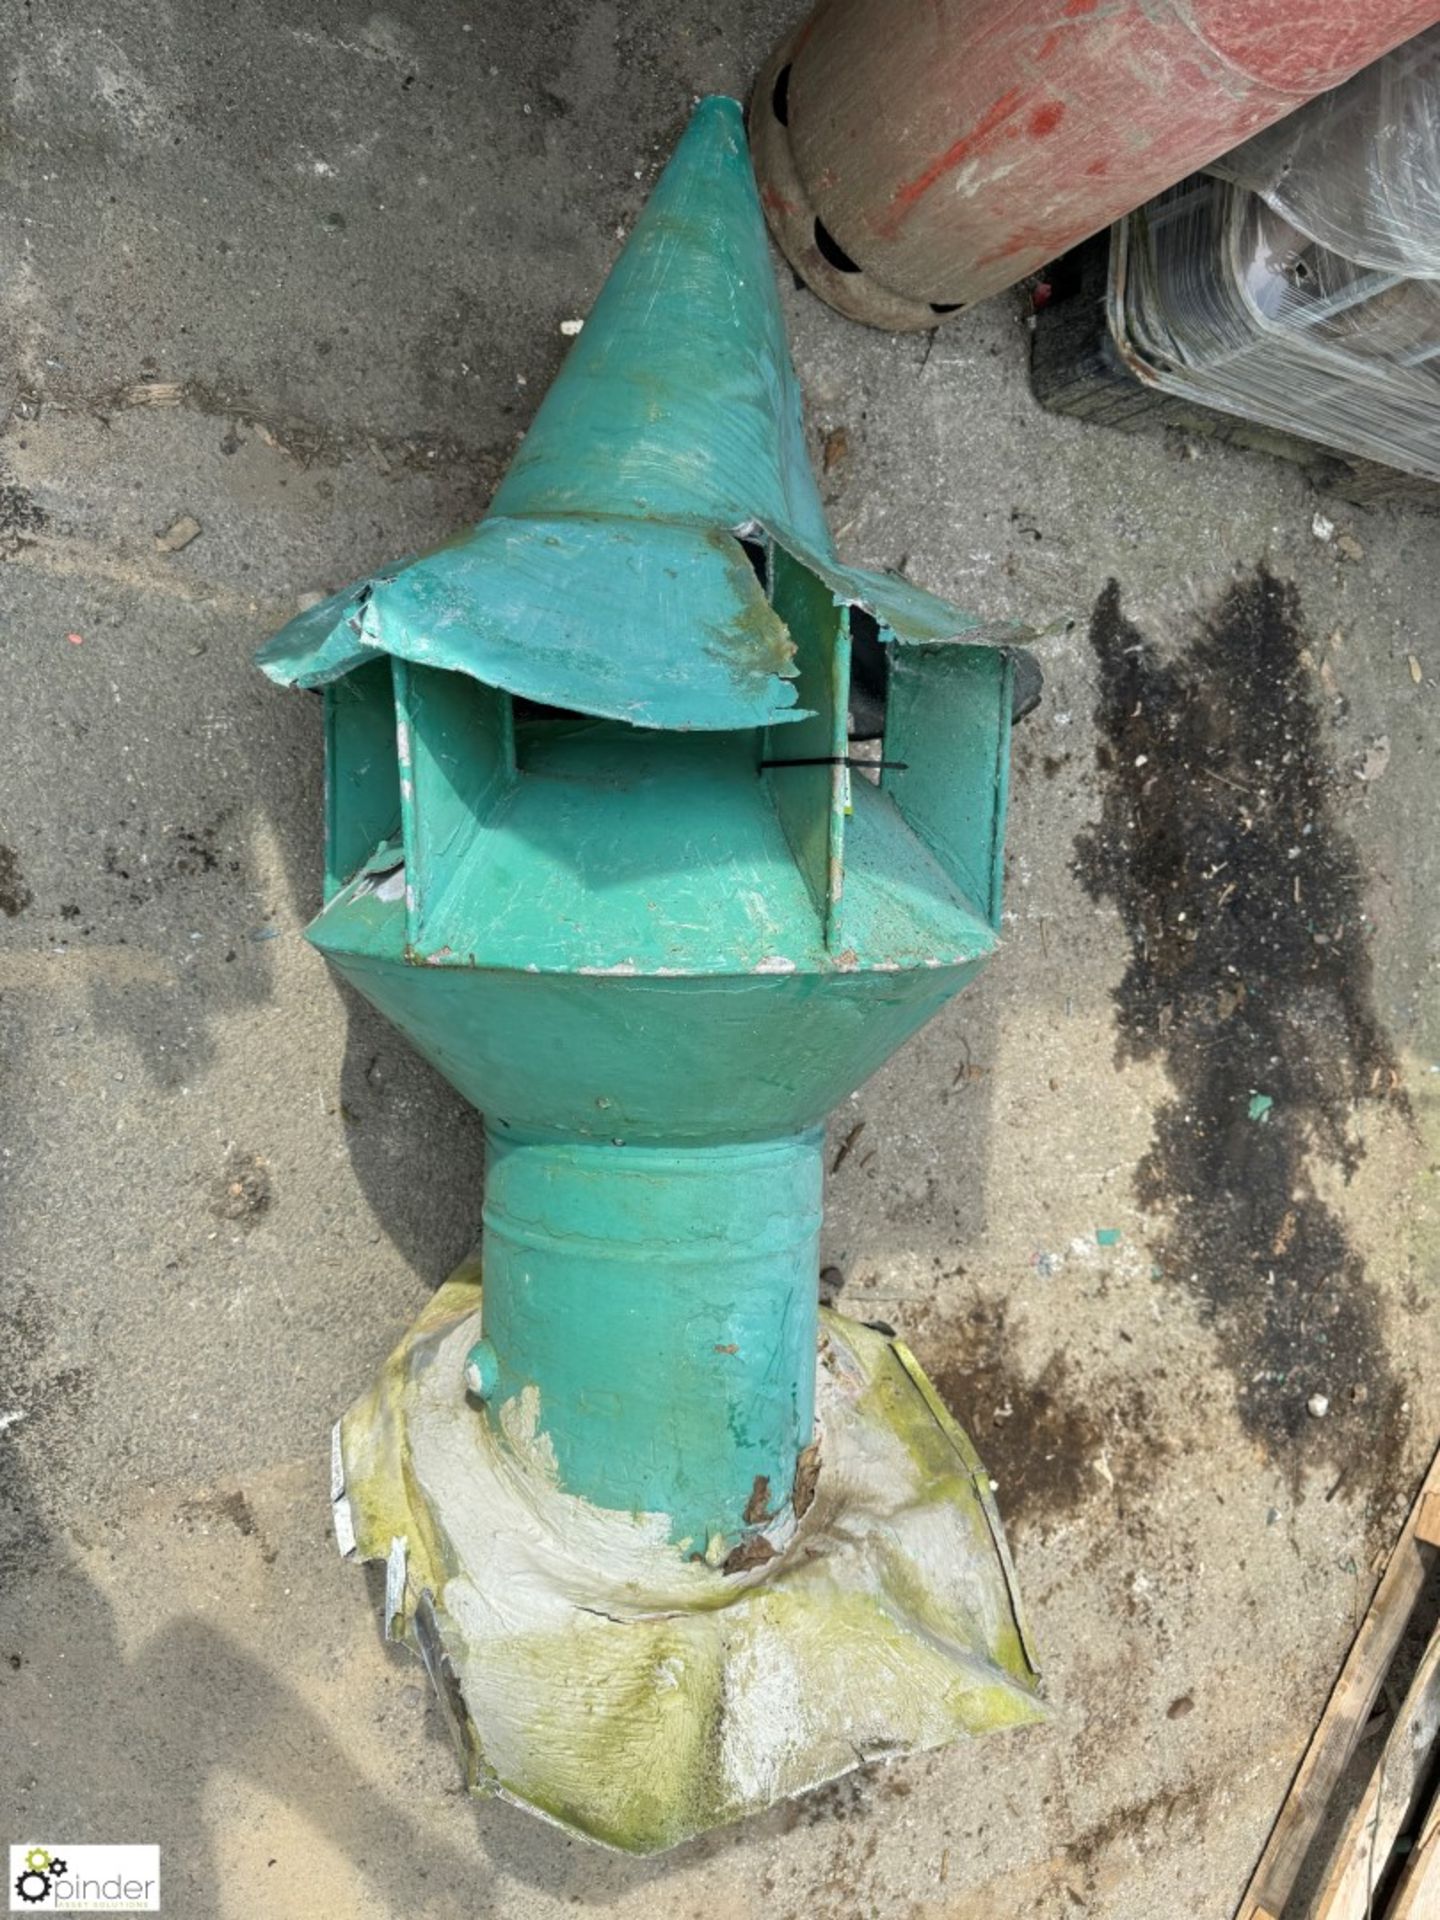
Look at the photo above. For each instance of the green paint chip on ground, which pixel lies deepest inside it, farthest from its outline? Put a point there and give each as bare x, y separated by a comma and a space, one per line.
1107, 1236
1260, 1105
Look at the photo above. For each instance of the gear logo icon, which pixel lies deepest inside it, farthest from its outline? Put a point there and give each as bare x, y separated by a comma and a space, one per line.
42, 1868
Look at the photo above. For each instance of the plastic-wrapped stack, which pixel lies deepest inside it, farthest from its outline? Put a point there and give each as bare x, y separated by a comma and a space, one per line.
1298, 284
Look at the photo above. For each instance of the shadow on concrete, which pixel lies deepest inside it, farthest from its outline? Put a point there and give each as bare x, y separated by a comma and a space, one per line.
416, 1148
129, 1751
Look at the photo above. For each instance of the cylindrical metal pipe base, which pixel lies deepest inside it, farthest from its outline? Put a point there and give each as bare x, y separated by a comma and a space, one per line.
649, 1320
799, 231
915, 157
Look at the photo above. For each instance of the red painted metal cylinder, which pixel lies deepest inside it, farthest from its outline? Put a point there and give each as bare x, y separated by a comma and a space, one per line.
916, 155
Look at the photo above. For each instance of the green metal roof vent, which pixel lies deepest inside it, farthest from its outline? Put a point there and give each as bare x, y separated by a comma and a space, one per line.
598, 844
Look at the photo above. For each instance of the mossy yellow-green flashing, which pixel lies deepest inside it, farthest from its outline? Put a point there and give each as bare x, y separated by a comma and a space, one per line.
638, 1699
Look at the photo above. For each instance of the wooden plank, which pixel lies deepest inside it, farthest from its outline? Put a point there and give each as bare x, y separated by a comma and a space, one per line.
1343, 1720
1417, 1894
1427, 1521
1364, 1849
1340, 1727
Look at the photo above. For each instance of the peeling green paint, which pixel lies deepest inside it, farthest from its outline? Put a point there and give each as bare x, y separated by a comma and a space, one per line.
662, 1301
638, 1700
594, 846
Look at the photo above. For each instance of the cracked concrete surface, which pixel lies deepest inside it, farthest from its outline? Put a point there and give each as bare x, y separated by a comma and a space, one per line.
299, 274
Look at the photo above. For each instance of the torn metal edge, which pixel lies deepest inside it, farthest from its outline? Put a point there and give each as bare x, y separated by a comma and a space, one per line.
428, 1637
396, 1563
980, 1479
339, 1499
856, 586
354, 607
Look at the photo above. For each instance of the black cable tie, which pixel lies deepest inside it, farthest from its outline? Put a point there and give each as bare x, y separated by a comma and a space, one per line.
838, 760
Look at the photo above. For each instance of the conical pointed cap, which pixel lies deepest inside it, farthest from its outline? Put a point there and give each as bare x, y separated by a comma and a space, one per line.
608, 576
678, 401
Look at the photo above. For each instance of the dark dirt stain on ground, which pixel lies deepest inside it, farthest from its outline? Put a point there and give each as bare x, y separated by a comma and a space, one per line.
182, 853
243, 1191
1250, 979
19, 515
39, 1448
1040, 1437
1156, 1821
232, 1508
843, 1799
15, 896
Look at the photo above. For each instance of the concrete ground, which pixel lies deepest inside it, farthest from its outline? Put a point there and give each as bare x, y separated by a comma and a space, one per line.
298, 272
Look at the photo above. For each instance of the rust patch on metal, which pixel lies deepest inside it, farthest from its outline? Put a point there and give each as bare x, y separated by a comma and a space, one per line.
807, 1478
753, 1552
755, 643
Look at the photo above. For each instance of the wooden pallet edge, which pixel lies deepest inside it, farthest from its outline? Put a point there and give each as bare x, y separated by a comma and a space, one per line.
1346, 1712
1403, 1758
1420, 1882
